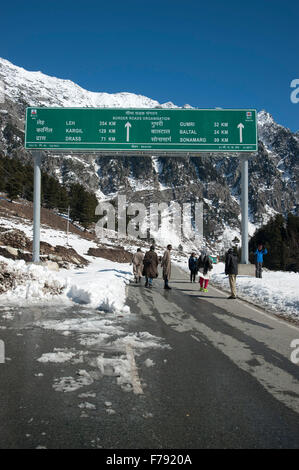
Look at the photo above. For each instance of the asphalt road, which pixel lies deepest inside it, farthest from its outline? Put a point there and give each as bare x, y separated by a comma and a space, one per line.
223, 380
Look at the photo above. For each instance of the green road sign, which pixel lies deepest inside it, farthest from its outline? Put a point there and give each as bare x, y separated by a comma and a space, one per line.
141, 130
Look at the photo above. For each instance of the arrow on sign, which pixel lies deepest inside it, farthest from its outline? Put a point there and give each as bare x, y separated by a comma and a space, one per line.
128, 125
241, 127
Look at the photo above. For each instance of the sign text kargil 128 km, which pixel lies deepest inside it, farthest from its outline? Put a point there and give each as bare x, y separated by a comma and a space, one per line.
141, 130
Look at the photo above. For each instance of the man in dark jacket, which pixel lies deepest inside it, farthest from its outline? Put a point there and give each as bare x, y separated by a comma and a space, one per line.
192, 263
150, 269
231, 269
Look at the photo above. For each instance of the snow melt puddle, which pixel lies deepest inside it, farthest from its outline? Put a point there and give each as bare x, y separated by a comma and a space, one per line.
103, 350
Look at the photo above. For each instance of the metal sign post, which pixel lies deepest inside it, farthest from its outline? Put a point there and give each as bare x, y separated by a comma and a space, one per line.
37, 156
244, 208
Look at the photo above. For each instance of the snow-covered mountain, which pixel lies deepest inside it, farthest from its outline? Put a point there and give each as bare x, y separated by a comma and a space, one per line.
39, 89
213, 178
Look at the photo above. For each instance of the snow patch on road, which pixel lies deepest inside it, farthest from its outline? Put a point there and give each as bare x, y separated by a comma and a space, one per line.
87, 406
149, 363
62, 355
56, 357
70, 384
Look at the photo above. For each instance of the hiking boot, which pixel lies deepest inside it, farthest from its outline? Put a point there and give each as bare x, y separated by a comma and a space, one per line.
205, 290
167, 287
201, 289
232, 297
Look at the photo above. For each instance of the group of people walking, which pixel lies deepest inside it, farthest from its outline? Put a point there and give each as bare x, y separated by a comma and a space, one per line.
147, 265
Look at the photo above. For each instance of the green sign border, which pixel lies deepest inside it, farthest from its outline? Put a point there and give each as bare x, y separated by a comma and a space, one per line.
115, 148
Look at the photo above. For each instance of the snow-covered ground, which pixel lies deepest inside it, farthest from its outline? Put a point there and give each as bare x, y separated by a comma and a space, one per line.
101, 285
277, 291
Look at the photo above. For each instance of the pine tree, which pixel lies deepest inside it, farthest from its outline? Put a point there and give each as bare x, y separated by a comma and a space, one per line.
14, 187
16, 179
281, 238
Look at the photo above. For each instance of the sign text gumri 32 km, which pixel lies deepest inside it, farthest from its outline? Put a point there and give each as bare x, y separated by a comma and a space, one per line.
141, 131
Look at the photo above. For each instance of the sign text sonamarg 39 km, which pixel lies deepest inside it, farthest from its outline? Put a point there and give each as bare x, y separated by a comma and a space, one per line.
141, 130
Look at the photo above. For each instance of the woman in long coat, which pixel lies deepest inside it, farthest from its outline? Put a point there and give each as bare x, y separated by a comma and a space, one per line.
150, 266
138, 264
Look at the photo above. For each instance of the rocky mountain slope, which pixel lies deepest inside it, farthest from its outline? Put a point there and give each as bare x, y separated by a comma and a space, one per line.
213, 178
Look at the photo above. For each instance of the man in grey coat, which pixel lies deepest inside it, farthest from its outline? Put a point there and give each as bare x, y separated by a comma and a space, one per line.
166, 265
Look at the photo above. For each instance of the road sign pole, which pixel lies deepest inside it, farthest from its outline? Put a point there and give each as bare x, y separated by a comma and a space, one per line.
244, 208
37, 156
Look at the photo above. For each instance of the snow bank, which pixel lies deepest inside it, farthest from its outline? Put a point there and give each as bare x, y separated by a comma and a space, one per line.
277, 291
102, 285
29, 283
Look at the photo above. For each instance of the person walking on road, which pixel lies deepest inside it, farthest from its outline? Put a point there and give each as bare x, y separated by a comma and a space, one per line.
259, 253
192, 263
150, 266
166, 265
231, 269
204, 266
138, 265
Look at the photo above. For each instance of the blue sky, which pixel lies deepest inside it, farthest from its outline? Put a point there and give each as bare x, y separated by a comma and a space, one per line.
229, 54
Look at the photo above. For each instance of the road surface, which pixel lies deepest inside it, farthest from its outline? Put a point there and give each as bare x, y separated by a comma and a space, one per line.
202, 372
